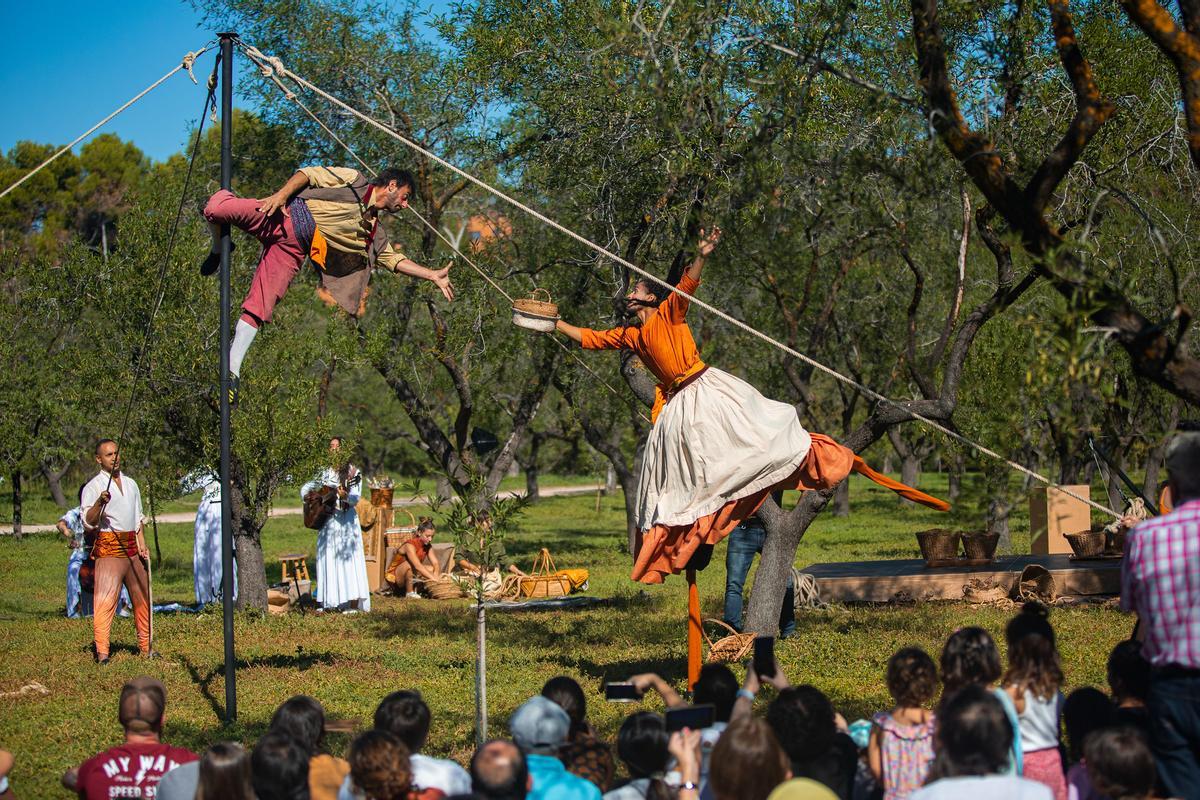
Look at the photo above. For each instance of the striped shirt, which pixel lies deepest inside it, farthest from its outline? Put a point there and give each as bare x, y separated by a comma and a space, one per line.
1160, 580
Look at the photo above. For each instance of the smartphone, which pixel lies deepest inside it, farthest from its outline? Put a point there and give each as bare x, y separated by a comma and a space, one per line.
764, 656
621, 692
693, 717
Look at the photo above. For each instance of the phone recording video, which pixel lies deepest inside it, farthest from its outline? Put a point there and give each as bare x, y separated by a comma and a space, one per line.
764, 656
621, 692
692, 717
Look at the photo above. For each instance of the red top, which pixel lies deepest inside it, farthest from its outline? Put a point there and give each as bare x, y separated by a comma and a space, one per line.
129, 770
664, 342
420, 547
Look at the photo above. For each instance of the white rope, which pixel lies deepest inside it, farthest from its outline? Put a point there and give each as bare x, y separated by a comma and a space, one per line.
276, 64
185, 64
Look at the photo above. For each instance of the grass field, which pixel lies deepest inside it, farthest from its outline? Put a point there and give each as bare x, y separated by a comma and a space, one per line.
350, 662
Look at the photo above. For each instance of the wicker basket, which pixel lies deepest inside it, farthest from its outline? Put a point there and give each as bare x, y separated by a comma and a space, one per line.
382, 497
938, 544
534, 313
733, 647
978, 545
1086, 544
545, 580
396, 537
1036, 583
444, 588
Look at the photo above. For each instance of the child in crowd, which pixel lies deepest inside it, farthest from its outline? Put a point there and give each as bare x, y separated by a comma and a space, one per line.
1129, 683
901, 745
1032, 682
1120, 764
971, 657
1086, 711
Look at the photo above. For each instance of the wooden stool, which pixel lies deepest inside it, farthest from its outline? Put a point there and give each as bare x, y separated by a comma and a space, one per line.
297, 564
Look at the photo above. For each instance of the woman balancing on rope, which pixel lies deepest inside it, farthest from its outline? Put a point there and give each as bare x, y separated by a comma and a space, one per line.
328, 214
718, 448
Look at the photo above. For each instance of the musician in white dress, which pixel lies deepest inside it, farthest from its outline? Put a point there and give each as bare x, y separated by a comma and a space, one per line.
341, 562
207, 571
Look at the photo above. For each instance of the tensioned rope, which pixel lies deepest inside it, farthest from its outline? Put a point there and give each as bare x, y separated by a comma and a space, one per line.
185, 63
276, 64
270, 73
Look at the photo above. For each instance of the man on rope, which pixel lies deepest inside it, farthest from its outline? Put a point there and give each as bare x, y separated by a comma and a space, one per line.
718, 448
328, 214
112, 515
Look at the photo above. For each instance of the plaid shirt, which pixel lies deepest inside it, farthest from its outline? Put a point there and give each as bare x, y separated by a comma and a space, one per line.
1160, 580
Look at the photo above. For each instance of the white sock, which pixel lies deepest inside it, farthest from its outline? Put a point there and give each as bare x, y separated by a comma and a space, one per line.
243, 335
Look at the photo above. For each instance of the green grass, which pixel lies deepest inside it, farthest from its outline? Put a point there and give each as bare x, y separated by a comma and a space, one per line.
350, 662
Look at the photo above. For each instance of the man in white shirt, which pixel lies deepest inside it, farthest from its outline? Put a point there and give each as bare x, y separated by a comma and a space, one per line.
112, 512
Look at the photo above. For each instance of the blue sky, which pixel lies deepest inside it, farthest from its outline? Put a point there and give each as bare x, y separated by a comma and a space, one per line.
74, 62
70, 63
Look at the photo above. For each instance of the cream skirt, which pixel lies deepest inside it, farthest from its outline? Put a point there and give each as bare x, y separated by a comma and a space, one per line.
716, 441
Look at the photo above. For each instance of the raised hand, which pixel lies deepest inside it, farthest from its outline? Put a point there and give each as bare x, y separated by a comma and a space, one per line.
708, 242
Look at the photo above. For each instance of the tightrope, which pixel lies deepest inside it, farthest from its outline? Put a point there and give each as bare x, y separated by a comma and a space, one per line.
185, 63
276, 64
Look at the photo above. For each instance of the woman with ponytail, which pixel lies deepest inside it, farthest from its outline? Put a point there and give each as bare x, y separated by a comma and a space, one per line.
642, 746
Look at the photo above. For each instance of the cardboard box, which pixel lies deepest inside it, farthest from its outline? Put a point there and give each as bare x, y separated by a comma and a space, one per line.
1053, 513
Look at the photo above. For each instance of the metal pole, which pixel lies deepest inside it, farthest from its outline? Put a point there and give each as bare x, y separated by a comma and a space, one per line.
226, 494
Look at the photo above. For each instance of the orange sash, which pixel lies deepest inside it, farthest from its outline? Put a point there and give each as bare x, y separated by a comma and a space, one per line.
115, 544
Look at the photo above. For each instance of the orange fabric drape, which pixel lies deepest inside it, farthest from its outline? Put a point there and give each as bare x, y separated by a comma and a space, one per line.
695, 653
666, 550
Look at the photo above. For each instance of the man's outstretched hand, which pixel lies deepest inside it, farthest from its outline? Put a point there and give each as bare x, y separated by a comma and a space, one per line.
441, 279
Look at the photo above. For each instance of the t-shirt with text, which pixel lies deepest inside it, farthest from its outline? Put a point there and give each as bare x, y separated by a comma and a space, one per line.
129, 770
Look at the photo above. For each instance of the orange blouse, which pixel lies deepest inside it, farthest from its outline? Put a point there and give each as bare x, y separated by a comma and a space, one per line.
664, 343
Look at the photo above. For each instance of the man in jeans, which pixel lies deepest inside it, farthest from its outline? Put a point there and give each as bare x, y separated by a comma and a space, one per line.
1160, 580
746, 541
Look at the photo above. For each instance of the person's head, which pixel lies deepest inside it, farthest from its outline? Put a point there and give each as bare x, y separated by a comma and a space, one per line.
973, 734
393, 188
717, 685
1085, 711
302, 718
406, 716
107, 456
539, 726
143, 707
747, 763
803, 721
279, 768
499, 772
1183, 467
380, 766
1128, 673
335, 443
911, 677
225, 773
970, 656
644, 297
1120, 764
642, 744
567, 694
1032, 653
426, 529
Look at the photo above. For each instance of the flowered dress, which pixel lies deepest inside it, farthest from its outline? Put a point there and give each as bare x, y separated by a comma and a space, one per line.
906, 752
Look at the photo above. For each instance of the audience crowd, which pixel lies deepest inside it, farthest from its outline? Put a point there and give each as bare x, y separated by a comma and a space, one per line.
996, 732
969, 724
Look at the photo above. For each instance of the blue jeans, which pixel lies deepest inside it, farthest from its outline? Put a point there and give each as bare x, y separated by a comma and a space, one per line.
1174, 704
744, 543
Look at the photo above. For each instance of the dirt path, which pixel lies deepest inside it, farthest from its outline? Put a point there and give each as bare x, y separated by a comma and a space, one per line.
285, 511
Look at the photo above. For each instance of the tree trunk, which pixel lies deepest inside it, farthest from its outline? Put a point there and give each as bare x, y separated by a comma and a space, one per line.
54, 481
251, 570
997, 522
910, 473
841, 500
784, 532
324, 386
955, 471
610, 480
481, 715
532, 490
16, 503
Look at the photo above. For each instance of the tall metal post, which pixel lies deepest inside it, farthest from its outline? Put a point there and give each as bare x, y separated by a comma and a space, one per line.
226, 494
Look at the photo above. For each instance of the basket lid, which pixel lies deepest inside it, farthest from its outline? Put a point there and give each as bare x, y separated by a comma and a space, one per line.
538, 304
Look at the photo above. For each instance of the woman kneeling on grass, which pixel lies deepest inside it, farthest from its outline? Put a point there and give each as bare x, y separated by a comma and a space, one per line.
718, 448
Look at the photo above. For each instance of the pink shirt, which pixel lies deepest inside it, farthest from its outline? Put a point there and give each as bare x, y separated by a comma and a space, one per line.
1160, 580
